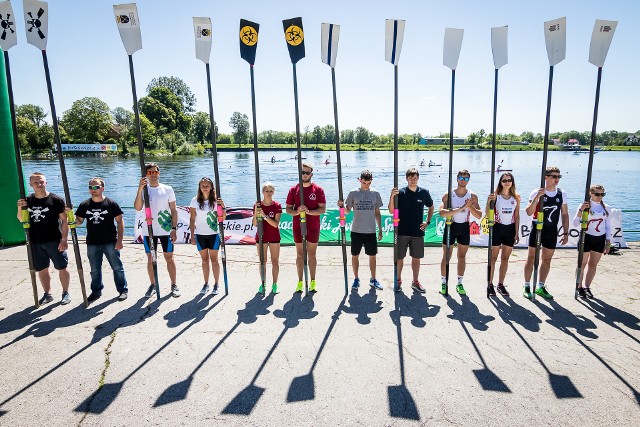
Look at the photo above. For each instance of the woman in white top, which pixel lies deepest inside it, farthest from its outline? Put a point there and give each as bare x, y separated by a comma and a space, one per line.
204, 230
597, 238
505, 228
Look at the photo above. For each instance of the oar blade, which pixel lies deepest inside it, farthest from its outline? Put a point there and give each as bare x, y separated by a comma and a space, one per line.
452, 45
294, 36
555, 36
393, 36
329, 35
248, 40
128, 26
203, 34
499, 46
9, 35
36, 17
601, 40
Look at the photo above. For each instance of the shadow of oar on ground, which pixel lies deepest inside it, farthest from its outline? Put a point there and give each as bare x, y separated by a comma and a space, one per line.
612, 316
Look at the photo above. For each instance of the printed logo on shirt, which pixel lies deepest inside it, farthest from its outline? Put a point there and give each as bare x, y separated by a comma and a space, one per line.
96, 215
164, 219
37, 213
312, 196
212, 221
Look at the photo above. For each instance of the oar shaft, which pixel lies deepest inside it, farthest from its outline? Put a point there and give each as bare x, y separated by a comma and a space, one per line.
449, 219
396, 211
491, 214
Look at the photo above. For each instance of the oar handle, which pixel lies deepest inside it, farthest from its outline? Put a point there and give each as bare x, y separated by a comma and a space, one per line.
396, 217
71, 219
342, 218
584, 220
220, 213
25, 219
148, 216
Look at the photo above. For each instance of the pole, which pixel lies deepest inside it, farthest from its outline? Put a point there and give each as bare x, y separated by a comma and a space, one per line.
492, 204
25, 214
450, 218
63, 173
396, 211
143, 172
214, 148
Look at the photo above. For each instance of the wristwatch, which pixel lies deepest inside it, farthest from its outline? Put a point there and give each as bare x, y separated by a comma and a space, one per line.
174, 228
428, 222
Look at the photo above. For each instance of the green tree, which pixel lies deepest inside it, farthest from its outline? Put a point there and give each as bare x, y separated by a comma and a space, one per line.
32, 112
87, 121
160, 115
201, 127
240, 124
170, 100
123, 117
179, 88
362, 136
347, 136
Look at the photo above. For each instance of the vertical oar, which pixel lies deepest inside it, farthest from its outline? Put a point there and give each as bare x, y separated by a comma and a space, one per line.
394, 35
203, 32
329, 34
451, 54
7, 41
555, 33
294, 36
500, 57
248, 46
129, 28
600, 41
36, 18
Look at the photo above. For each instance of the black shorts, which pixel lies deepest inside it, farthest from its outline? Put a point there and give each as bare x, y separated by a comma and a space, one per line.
459, 232
45, 252
165, 242
414, 243
547, 240
594, 243
208, 241
503, 234
368, 240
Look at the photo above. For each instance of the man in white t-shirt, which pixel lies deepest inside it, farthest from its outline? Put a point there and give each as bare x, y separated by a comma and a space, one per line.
162, 201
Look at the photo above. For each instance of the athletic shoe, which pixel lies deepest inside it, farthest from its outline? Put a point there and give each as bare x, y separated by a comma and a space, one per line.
123, 295
175, 292
93, 296
356, 283
46, 299
588, 292
502, 290
299, 286
66, 298
460, 289
443, 289
312, 286
491, 290
274, 289
542, 291
416, 286
399, 285
261, 289
527, 292
150, 291
375, 284
214, 291
581, 292
205, 289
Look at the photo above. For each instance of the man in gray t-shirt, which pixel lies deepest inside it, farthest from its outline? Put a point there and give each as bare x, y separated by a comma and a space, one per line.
365, 203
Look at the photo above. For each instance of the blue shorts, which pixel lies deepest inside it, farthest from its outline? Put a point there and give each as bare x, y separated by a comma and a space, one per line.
43, 253
208, 241
165, 242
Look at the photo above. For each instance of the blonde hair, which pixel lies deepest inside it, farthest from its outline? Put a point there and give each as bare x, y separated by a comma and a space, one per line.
268, 185
601, 188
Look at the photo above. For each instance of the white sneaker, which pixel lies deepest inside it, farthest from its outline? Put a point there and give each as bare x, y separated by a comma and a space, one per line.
204, 289
175, 292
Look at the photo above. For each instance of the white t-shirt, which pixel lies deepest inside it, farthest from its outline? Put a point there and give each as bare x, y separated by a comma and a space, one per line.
456, 202
599, 221
159, 199
506, 210
206, 218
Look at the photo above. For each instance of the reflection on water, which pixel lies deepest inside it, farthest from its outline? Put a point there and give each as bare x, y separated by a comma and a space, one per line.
615, 170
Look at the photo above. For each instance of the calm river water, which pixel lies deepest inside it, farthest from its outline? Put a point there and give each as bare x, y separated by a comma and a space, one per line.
614, 170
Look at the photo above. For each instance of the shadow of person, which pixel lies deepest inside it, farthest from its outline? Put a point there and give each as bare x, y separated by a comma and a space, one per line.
610, 314
511, 312
363, 306
26, 317
469, 313
194, 309
563, 319
256, 306
417, 308
296, 309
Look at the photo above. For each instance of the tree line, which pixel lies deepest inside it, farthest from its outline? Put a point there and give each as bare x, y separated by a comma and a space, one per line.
169, 123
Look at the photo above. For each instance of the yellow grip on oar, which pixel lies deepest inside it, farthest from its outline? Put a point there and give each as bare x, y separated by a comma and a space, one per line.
584, 219
303, 217
25, 219
540, 220
491, 216
71, 219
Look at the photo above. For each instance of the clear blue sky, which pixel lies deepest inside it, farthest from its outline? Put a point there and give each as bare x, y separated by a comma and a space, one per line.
87, 59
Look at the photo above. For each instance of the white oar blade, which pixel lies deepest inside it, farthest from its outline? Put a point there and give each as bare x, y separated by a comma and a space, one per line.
8, 33
499, 46
394, 34
555, 36
330, 33
601, 40
203, 32
128, 26
452, 45
36, 17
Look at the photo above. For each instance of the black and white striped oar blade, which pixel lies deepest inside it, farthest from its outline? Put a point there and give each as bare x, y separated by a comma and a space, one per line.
36, 17
601, 40
452, 45
499, 46
202, 31
248, 40
294, 36
8, 34
555, 36
128, 26
329, 35
393, 37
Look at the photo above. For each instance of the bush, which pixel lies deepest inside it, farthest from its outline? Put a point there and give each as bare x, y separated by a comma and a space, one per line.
186, 149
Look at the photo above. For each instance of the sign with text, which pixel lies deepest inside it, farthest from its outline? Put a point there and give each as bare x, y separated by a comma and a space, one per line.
92, 148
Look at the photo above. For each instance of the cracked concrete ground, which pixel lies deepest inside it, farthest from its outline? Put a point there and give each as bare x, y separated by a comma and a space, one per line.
359, 360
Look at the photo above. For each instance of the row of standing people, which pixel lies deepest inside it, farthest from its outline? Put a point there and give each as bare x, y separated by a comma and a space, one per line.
105, 229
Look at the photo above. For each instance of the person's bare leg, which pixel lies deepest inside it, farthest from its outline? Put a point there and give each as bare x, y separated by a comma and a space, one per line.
528, 265
400, 265
152, 278
215, 265
355, 265
443, 263
585, 261
415, 268
171, 266
45, 280
299, 260
204, 256
545, 263
65, 278
274, 248
504, 262
495, 253
594, 259
311, 257
372, 266
462, 259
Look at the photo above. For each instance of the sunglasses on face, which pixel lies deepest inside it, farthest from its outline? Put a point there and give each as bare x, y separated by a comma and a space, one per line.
464, 178
306, 172
554, 176
153, 172
599, 194
95, 187
504, 181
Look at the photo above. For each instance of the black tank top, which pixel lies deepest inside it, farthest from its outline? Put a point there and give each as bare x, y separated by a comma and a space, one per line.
552, 208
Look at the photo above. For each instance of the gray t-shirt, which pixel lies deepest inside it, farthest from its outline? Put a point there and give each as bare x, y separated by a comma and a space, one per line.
364, 204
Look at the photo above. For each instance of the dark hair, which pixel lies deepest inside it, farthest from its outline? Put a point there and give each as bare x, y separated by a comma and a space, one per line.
551, 169
151, 165
100, 180
512, 190
463, 172
212, 195
412, 171
601, 188
366, 175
